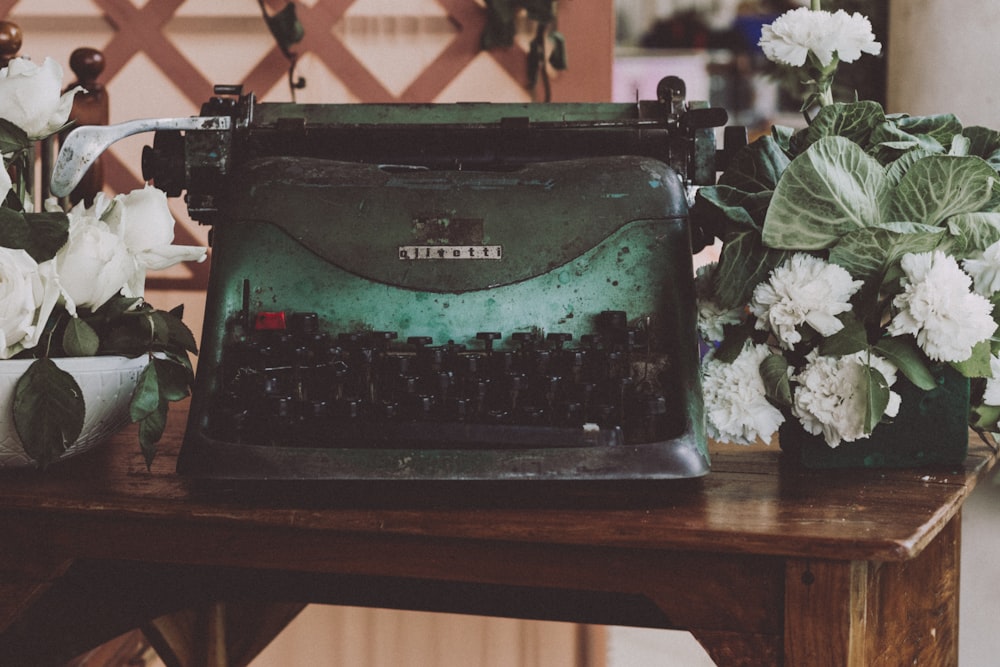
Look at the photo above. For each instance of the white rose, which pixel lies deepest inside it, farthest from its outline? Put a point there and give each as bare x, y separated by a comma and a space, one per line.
94, 265
27, 295
31, 97
143, 221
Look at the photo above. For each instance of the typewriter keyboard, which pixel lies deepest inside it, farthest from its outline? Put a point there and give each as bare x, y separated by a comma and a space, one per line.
283, 381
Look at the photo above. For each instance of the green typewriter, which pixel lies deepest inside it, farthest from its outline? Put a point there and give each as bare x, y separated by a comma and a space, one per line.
442, 291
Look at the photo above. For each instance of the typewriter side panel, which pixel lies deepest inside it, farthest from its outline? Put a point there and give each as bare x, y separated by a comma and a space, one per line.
629, 278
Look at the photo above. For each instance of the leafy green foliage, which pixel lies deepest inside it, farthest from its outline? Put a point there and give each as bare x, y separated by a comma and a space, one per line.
831, 189
861, 189
40, 234
49, 408
12, 138
48, 411
774, 373
876, 390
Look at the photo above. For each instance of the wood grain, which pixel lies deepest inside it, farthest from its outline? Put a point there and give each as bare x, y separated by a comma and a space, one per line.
757, 559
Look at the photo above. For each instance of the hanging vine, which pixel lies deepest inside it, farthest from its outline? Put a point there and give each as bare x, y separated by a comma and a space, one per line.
287, 31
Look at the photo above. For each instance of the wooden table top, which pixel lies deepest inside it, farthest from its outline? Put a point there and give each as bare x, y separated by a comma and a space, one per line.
750, 503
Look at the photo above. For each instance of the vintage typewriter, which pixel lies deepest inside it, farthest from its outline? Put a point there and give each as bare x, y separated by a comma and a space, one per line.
443, 291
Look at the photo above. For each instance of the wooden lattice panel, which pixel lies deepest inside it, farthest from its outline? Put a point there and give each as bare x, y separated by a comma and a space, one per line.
164, 56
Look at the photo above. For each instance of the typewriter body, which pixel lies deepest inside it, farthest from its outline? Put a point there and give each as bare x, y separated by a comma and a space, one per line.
444, 292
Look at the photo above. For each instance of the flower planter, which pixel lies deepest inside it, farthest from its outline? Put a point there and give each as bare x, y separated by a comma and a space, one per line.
931, 428
107, 383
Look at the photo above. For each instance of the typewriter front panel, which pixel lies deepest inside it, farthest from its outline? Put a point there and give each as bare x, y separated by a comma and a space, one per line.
382, 322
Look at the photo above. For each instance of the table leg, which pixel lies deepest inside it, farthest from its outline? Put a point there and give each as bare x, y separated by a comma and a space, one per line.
867, 614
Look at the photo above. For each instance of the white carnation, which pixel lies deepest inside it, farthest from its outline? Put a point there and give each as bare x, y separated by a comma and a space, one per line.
985, 270
803, 290
938, 307
991, 395
712, 317
736, 404
795, 33
831, 399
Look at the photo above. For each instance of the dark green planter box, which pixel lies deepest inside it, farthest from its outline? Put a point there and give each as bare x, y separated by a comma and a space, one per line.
932, 428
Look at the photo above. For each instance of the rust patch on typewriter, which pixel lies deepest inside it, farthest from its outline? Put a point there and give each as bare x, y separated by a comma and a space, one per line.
446, 230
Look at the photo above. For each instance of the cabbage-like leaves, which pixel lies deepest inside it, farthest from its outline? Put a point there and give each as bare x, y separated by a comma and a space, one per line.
855, 121
940, 186
743, 263
867, 253
985, 143
831, 189
756, 167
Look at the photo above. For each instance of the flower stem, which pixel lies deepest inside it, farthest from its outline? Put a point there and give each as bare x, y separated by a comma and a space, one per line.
814, 5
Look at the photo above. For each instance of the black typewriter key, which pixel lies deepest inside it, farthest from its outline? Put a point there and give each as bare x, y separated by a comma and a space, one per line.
488, 338
304, 323
558, 340
382, 339
614, 325
419, 342
389, 410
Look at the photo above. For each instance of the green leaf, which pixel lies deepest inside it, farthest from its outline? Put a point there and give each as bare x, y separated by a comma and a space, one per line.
79, 339
172, 379
47, 233
178, 334
960, 146
756, 167
876, 391
852, 338
734, 338
898, 168
12, 138
854, 121
14, 231
972, 232
978, 363
146, 398
985, 143
903, 133
903, 353
743, 263
940, 186
742, 209
774, 373
831, 189
151, 429
48, 411
867, 253
941, 128
985, 417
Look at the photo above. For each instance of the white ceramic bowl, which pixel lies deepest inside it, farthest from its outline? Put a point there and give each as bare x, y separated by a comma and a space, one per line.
107, 384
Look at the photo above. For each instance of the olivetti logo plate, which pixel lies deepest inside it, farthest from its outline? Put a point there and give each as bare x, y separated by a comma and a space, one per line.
443, 236
414, 252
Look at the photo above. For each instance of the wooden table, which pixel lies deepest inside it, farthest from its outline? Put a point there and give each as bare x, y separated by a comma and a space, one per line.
763, 563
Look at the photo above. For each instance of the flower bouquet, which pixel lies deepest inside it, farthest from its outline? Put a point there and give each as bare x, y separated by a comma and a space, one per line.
861, 255
71, 283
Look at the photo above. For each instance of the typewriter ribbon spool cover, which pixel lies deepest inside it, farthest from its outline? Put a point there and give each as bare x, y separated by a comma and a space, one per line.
382, 320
